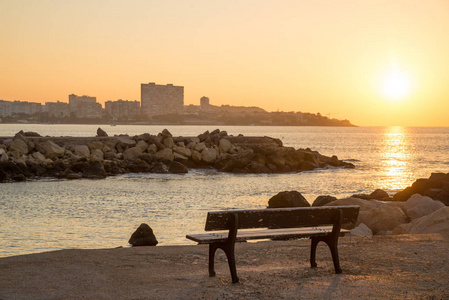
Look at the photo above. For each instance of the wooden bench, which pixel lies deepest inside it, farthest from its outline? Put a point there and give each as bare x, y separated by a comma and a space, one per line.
320, 224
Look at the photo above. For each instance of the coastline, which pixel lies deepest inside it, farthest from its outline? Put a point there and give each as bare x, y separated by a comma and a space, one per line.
404, 266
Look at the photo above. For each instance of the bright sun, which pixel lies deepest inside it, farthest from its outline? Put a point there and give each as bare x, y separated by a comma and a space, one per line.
396, 84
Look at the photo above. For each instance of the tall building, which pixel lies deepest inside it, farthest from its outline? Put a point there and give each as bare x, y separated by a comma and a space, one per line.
161, 99
84, 107
123, 109
57, 109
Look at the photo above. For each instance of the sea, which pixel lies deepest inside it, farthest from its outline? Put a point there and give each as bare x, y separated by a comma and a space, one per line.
49, 214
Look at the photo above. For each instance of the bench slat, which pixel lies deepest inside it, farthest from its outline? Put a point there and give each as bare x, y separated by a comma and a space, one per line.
281, 217
242, 236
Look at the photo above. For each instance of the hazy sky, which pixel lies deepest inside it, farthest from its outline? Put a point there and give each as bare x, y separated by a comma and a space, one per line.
332, 57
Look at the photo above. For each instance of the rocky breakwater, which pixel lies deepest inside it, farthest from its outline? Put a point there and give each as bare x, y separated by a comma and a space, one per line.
29, 155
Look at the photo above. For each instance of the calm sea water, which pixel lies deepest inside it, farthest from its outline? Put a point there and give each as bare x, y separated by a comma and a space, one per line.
49, 214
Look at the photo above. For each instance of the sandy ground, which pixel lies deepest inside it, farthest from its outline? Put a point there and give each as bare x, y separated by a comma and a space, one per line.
408, 266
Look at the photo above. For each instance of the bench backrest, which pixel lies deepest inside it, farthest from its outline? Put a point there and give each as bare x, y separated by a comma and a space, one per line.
281, 217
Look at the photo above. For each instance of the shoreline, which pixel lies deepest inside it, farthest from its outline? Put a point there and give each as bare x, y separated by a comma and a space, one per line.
400, 266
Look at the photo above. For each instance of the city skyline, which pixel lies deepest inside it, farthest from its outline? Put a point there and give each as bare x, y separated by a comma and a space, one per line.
371, 62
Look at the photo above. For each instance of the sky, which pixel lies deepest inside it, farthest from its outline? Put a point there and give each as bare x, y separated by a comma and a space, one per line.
375, 63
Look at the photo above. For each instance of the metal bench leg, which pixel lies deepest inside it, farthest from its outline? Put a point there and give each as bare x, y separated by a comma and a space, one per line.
212, 249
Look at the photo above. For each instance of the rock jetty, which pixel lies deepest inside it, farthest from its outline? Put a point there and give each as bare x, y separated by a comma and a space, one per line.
28, 155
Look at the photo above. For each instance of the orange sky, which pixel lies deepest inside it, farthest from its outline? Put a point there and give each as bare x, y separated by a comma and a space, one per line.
311, 56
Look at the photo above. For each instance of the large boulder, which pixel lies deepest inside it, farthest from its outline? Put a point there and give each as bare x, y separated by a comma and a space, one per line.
165, 154
101, 132
288, 199
418, 206
95, 171
131, 154
209, 155
177, 168
19, 146
323, 200
380, 217
420, 186
81, 150
225, 145
436, 222
50, 149
143, 236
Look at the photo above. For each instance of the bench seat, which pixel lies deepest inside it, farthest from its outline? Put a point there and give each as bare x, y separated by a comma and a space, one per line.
282, 233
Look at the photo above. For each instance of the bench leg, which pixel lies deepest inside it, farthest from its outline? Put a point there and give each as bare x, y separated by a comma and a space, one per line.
313, 252
228, 249
332, 243
212, 249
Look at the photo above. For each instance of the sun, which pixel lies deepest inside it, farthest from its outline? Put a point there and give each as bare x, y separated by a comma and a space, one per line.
396, 84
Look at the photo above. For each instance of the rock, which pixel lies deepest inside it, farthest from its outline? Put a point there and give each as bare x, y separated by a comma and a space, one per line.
443, 197
323, 200
152, 149
418, 206
146, 157
131, 154
200, 147
19, 146
31, 134
196, 156
380, 217
276, 160
159, 168
439, 177
177, 168
225, 145
288, 199
95, 171
39, 156
125, 141
436, 222
168, 142
183, 151
143, 236
165, 154
142, 145
96, 155
420, 186
81, 150
95, 145
379, 195
50, 150
165, 133
101, 132
361, 230
209, 155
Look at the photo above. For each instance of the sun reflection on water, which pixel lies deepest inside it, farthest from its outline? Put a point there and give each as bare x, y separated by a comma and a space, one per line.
396, 170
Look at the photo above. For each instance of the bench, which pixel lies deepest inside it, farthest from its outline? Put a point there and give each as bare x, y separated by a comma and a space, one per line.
320, 224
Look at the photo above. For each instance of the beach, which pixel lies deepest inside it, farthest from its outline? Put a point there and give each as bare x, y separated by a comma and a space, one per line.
404, 266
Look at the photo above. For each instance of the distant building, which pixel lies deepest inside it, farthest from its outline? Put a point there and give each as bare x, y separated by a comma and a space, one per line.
57, 109
9, 108
84, 107
161, 99
123, 109
5, 108
204, 102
